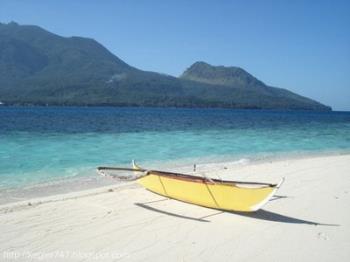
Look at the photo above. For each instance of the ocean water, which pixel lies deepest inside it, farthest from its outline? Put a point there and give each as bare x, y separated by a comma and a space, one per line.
47, 144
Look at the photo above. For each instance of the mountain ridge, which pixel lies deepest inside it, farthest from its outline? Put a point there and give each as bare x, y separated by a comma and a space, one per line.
41, 68
219, 75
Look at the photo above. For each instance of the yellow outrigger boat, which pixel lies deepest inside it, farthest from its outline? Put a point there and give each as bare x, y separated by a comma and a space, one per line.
213, 193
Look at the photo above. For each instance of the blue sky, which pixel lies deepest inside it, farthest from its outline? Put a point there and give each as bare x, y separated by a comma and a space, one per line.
303, 46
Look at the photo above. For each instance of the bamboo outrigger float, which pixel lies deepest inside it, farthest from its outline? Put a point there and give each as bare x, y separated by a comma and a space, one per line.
213, 193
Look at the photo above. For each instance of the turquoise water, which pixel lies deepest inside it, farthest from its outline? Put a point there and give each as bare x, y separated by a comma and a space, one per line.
45, 144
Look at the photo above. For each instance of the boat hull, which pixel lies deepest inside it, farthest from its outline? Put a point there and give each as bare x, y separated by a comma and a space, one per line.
224, 196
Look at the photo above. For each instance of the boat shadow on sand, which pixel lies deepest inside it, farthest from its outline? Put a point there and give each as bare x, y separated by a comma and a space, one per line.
275, 217
260, 215
146, 206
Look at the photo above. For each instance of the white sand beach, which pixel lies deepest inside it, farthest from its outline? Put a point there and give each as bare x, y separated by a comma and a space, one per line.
308, 220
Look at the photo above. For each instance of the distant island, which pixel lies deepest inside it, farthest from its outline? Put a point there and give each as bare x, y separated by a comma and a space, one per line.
40, 68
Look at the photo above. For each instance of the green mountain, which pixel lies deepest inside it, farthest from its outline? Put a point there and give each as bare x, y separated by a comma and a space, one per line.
40, 68
220, 75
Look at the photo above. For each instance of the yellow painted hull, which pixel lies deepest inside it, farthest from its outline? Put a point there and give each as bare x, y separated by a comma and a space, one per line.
228, 196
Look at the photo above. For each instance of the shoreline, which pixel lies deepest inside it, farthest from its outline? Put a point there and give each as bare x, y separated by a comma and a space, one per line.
73, 185
44, 105
307, 218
